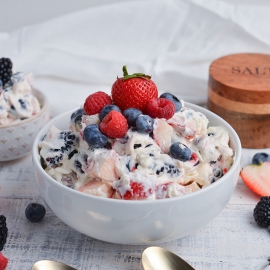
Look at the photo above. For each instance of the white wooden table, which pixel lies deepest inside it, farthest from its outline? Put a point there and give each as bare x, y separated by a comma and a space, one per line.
231, 241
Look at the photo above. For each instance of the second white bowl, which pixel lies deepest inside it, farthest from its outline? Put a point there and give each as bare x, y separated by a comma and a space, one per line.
16, 139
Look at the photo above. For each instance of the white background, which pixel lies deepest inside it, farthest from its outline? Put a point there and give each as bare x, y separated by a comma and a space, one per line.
18, 13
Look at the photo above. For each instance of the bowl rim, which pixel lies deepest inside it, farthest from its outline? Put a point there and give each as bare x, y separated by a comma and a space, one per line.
43, 100
231, 171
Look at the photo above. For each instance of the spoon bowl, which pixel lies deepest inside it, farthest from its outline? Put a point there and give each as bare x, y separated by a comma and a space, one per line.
157, 258
153, 258
51, 265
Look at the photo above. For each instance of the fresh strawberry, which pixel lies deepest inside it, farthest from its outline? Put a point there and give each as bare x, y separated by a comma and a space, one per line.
95, 102
133, 91
257, 179
137, 192
114, 125
3, 262
160, 108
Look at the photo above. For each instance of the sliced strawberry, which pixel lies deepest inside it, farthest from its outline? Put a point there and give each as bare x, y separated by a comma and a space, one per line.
162, 134
97, 188
257, 178
3, 262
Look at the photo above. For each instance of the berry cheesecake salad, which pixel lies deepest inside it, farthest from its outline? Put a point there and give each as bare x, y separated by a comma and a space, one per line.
136, 145
17, 101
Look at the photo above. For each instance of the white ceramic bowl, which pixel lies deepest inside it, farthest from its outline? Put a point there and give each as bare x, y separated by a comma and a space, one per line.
137, 222
16, 139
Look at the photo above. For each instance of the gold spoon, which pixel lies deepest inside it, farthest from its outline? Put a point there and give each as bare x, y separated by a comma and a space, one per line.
51, 265
157, 258
153, 258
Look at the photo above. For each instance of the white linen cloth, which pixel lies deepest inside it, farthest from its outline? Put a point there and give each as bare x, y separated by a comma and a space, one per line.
173, 40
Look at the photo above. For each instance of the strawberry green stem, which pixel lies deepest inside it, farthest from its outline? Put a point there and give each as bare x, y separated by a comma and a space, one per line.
134, 75
125, 72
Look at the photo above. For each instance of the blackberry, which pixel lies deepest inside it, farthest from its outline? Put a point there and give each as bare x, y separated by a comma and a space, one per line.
5, 70
23, 104
72, 153
3, 231
261, 212
66, 149
78, 165
52, 161
169, 169
68, 137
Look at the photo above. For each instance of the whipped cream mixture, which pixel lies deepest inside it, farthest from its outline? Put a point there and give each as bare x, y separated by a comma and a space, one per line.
17, 101
139, 166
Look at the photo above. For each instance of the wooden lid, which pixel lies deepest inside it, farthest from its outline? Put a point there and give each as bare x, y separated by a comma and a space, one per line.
243, 78
239, 91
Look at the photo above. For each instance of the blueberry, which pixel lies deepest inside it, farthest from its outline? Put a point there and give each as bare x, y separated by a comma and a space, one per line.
180, 151
144, 124
106, 109
76, 116
35, 212
94, 136
259, 158
131, 115
174, 99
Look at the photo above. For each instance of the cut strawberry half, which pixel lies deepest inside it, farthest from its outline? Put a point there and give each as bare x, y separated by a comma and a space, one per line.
257, 178
3, 262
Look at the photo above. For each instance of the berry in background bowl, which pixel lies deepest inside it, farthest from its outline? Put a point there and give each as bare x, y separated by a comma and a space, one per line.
116, 182
23, 112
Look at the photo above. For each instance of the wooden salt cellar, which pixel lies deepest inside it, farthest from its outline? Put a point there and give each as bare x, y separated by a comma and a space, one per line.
239, 92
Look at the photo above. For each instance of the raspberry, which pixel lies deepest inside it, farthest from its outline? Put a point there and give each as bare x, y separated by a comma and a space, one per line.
5, 70
3, 262
174, 99
136, 192
95, 102
114, 125
160, 108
